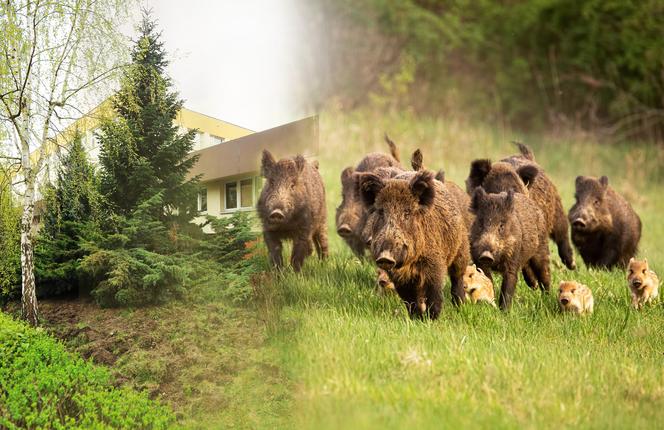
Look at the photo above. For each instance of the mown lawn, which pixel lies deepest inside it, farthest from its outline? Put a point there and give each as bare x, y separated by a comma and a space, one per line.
356, 361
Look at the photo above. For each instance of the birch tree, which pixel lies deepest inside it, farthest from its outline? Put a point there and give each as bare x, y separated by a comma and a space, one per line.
52, 53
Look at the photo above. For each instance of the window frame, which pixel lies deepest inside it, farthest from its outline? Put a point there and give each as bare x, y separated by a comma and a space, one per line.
200, 201
238, 195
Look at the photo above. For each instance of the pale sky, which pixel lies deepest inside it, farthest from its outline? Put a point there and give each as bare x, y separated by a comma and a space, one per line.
237, 60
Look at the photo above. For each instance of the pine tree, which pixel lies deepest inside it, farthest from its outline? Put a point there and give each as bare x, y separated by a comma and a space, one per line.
142, 151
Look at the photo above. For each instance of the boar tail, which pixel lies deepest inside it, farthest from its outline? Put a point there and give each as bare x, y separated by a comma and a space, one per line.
525, 151
393, 147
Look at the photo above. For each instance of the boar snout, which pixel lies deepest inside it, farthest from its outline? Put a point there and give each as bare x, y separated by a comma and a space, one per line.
385, 260
344, 230
637, 283
487, 257
277, 215
579, 223
564, 301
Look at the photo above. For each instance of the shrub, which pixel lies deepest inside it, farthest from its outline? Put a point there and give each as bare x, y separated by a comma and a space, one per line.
10, 245
44, 386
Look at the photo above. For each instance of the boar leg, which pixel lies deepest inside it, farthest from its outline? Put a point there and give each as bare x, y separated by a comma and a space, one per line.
529, 276
540, 265
561, 237
456, 271
434, 298
320, 242
273, 244
302, 248
507, 288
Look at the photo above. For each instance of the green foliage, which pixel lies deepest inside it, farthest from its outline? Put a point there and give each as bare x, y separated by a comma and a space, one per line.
10, 242
585, 63
72, 217
137, 264
234, 256
142, 151
44, 386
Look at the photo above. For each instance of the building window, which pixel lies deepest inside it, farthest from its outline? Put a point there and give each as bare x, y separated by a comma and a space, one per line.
239, 194
215, 140
202, 201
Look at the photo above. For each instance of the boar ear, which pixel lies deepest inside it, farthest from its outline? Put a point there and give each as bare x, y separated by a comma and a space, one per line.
299, 163
394, 152
370, 186
440, 176
478, 171
478, 197
267, 163
347, 174
423, 187
479, 270
416, 160
604, 181
315, 164
645, 261
578, 181
528, 173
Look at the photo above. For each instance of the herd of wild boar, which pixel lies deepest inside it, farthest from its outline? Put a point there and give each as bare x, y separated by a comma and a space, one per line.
419, 227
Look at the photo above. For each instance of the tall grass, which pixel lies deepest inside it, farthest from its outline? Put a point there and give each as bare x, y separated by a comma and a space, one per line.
357, 361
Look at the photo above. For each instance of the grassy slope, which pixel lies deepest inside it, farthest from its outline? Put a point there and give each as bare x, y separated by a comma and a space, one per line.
356, 359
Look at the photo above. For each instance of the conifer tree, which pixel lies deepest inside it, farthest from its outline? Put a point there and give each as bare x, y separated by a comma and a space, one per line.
73, 211
142, 151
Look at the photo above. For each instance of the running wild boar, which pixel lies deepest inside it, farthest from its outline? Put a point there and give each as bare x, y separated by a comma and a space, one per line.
508, 234
575, 298
605, 228
643, 283
521, 174
418, 236
292, 207
351, 216
478, 286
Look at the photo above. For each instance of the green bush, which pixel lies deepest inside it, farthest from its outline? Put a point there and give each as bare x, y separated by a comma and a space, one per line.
44, 386
10, 243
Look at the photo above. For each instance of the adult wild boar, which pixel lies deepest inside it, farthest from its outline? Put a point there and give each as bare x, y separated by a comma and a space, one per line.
292, 207
508, 234
418, 236
605, 228
351, 216
521, 174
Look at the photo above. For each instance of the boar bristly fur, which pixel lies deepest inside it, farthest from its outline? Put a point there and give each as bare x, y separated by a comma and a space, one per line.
521, 174
418, 236
292, 207
351, 215
605, 228
509, 234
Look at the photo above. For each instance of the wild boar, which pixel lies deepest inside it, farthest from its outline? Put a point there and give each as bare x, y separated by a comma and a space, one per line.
508, 234
605, 229
418, 235
521, 174
643, 283
292, 207
575, 297
478, 286
350, 215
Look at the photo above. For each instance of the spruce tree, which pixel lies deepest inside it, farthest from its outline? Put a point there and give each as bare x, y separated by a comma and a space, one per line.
71, 218
142, 151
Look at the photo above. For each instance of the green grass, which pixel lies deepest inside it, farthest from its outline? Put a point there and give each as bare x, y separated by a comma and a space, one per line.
357, 361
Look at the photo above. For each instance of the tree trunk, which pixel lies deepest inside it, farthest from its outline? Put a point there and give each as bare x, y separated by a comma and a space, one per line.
28, 293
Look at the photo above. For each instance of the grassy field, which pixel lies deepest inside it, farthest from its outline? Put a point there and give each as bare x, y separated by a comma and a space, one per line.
356, 361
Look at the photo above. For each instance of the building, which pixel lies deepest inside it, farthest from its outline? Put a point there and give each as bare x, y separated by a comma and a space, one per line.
229, 155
